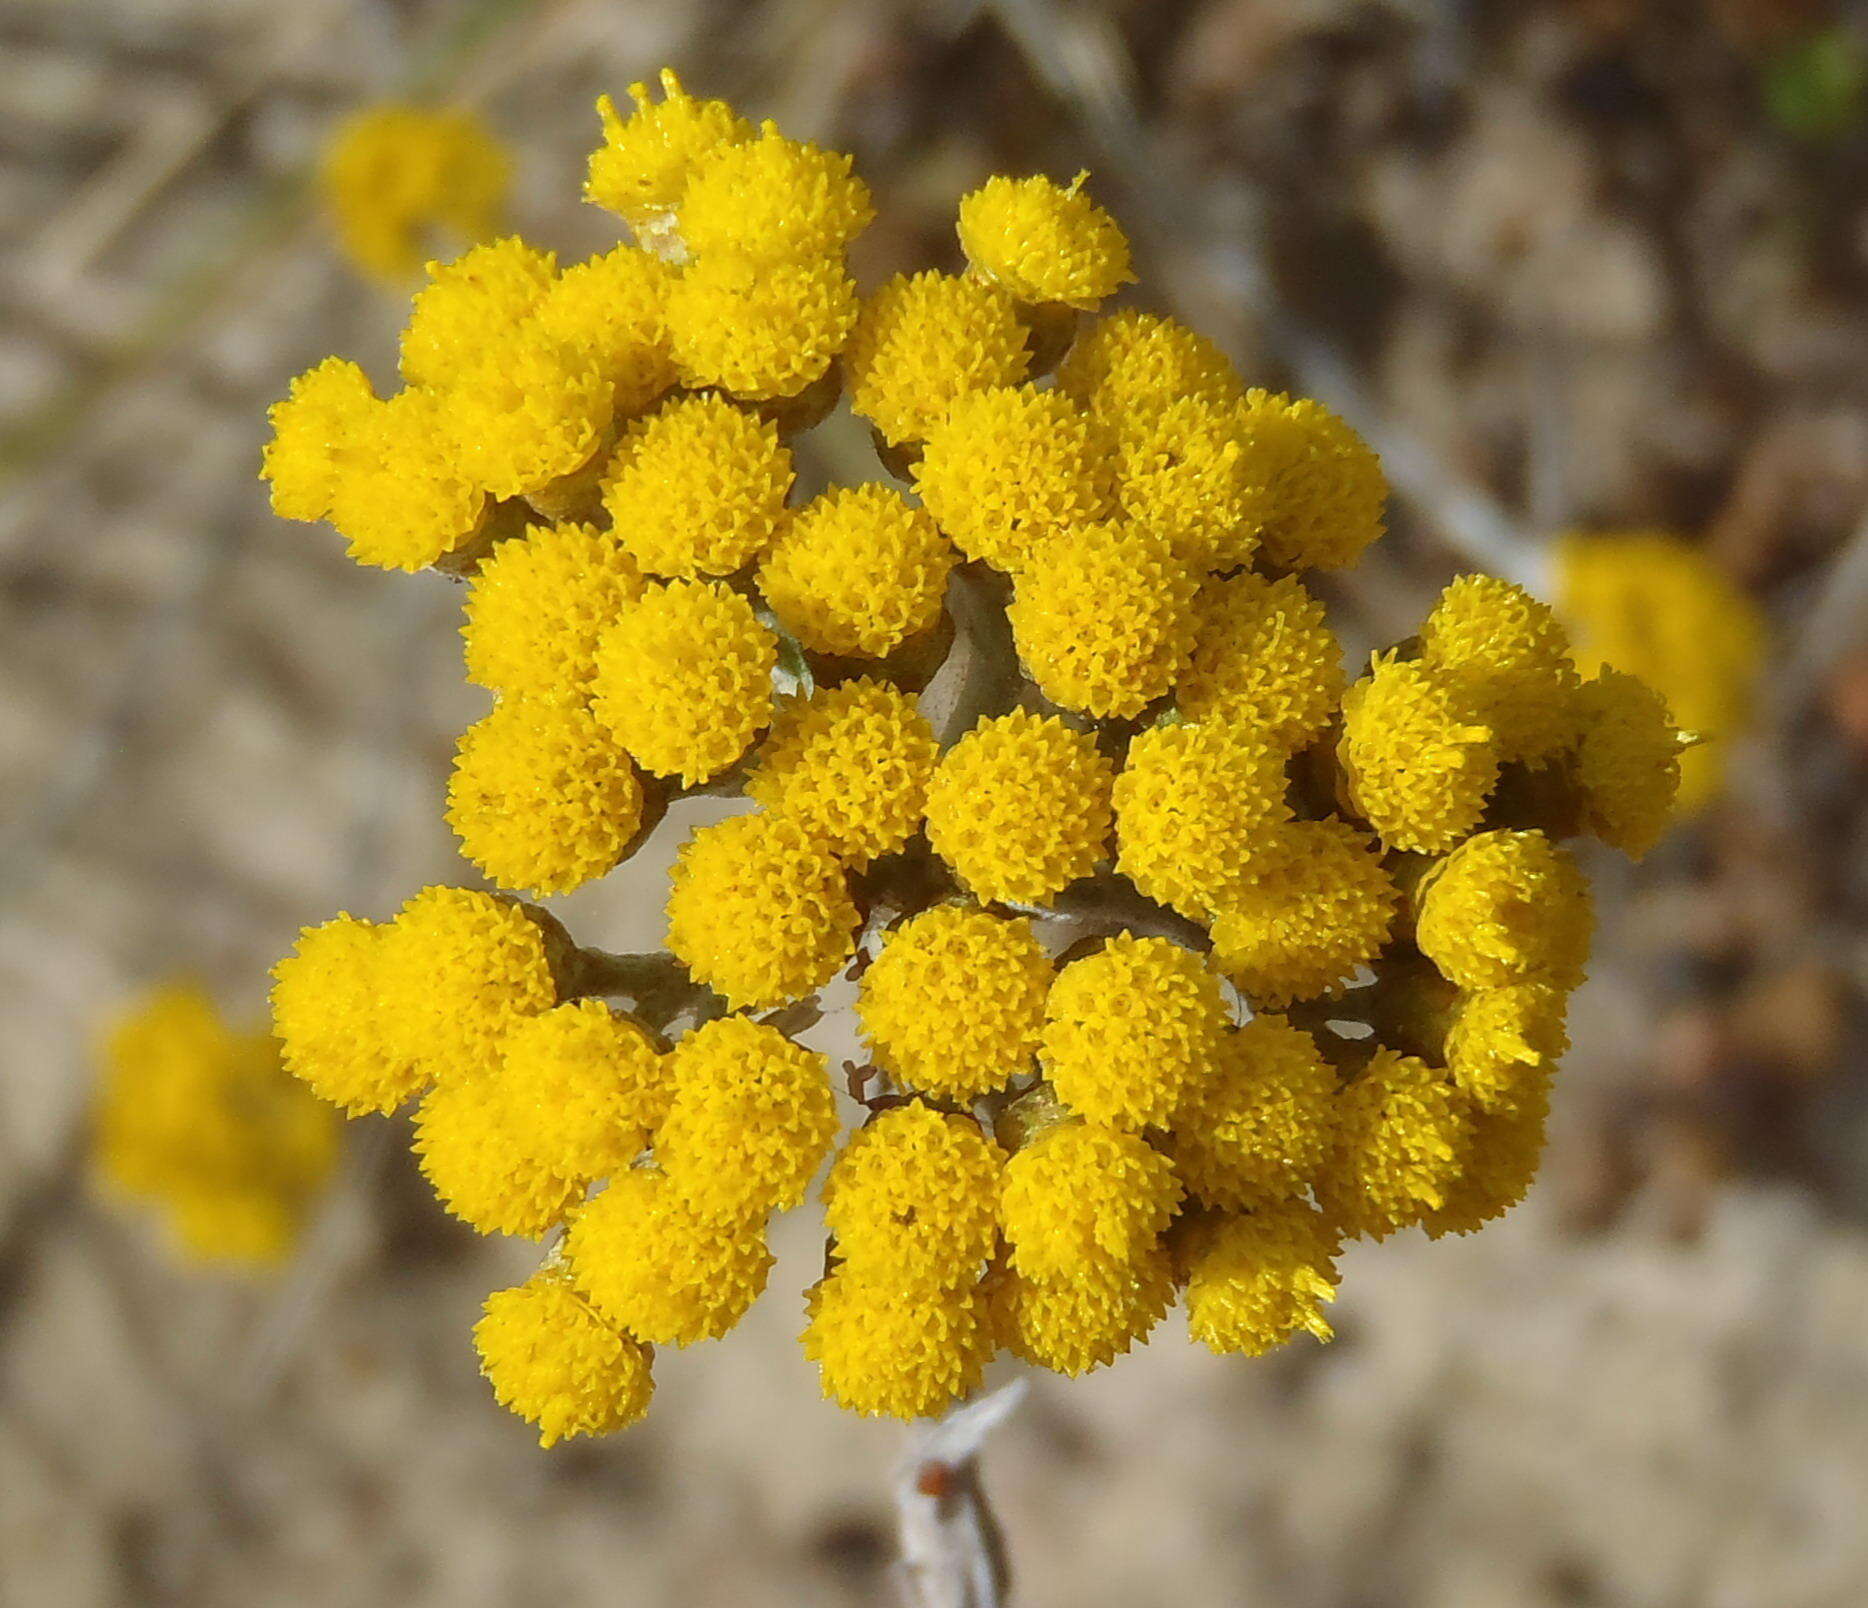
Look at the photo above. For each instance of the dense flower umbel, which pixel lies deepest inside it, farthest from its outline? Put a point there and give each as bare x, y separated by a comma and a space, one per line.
1050, 752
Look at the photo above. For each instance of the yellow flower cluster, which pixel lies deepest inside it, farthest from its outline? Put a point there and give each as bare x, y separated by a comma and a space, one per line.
1048, 746
202, 1124
391, 175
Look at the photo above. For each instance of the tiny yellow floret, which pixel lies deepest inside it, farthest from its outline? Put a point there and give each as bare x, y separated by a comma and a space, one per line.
1043, 241
954, 1003
759, 910
1019, 807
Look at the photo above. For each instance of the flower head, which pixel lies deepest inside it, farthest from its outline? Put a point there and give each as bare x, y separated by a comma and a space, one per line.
464, 1142
588, 1087
1193, 805
333, 1012
1074, 1325
1264, 658
759, 910
1256, 1278
400, 499
487, 293
1316, 905
318, 430
1500, 1163
542, 797
924, 340
913, 1200
1083, 1198
1509, 658
643, 166
954, 1003
684, 679
1009, 466
391, 174
857, 571
1129, 1029
760, 329
1419, 764
613, 312
1402, 1137
773, 201
1103, 619
1019, 807
883, 1356
1180, 471
751, 1119
1502, 1043
1319, 489
1257, 1129
851, 765
1505, 907
661, 1271
1043, 241
1127, 366
554, 1362
537, 607
698, 488
1628, 764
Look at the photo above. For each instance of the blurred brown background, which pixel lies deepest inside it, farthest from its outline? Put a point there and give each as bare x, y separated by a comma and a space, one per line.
1567, 262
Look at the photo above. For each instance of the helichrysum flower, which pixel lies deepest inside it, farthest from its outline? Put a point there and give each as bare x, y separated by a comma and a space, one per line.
542, 797
470, 966
1502, 1043
924, 340
554, 1362
588, 1088
759, 910
1180, 471
1509, 658
392, 176
1402, 1136
1074, 1325
658, 1269
1257, 1128
1119, 474
772, 200
1505, 907
913, 1200
759, 329
1008, 467
1660, 608
464, 1141
1129, 1029
698, 488
1628, 763
318, 430
751, 1119
954, 1003
614, 311
879, 1354
1255, 1279
402, 500
1103, 619
1501, 1159
851, 766
1043, 241
684, 679
857, 571
1264, 658
334, 1010
1192, 806
202, 1123
643, 166
1019, 807
537, 607
1083, 1197
489, 292
1128, 366
1419, 763
1314, 906
1319, 490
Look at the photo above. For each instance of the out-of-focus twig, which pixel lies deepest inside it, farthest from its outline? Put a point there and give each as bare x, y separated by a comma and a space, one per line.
952, 1552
